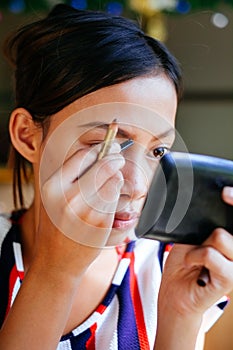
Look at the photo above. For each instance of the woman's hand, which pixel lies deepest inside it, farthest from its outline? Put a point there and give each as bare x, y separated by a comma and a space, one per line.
80, 198
181, 298
227, 195
79, 202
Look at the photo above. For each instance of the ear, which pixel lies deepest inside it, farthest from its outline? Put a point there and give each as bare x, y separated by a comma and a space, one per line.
26, 137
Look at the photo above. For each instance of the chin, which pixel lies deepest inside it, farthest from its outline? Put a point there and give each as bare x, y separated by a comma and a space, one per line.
117, 237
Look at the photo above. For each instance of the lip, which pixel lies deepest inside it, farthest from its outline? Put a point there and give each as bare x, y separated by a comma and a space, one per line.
125, 220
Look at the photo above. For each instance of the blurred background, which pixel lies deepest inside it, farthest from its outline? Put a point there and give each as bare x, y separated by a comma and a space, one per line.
200, 34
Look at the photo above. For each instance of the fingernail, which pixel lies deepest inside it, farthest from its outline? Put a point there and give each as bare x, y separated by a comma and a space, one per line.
228, 191
115, 148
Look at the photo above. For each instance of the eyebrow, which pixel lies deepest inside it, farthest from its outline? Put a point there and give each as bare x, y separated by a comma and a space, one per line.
104, 126
122, 132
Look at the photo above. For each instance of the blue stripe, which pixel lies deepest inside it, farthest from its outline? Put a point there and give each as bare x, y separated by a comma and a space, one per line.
110, 295
162, 247
79, 342
223, 304
127, 328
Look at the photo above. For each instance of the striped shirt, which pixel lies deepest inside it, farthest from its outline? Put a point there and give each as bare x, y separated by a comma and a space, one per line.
126, 317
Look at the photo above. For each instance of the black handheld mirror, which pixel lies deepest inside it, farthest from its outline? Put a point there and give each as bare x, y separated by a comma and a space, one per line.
184, 203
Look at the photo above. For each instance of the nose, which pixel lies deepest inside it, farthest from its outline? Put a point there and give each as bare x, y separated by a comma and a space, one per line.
136, 174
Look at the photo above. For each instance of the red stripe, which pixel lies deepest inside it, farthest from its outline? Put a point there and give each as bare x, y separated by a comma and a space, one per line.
90, 344
12, 280
101, 308
128, 255
168, 247
21, 275
141, 327
120, 251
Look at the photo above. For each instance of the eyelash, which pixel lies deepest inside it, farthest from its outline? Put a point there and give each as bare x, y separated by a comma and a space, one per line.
94, 143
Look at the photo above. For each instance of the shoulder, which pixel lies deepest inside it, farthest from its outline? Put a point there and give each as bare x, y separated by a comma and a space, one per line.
5, 225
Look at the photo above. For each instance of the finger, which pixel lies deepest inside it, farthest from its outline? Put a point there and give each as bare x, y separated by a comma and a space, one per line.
77, 165
216, 253
101, 172
98, 190
222, 241
99, 208
70, 169
89, 220
103, 193
61, 182
82, 160
110, 190
85, 219
211, 259
227, 195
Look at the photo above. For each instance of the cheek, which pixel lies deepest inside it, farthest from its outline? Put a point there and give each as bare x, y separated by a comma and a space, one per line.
140, 162
75, 147
138, 172
151, 170
55, 150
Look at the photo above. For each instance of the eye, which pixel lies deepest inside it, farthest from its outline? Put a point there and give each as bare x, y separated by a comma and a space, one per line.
93, 143
159, 152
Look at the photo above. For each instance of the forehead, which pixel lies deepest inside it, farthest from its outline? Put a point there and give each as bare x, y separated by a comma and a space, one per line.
128, 130
147, 102
132, 120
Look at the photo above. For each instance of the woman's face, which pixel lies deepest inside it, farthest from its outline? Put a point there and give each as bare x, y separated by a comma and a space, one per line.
145, 110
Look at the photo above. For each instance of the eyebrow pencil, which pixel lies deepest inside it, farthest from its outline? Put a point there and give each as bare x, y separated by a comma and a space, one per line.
110, 136
126, 144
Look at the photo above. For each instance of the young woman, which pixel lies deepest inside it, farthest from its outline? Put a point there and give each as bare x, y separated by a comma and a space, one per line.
72, 276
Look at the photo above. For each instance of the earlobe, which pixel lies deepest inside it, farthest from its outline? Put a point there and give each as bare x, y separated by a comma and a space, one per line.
25, 135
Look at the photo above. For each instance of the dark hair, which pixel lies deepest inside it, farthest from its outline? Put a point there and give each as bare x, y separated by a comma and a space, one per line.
71, 53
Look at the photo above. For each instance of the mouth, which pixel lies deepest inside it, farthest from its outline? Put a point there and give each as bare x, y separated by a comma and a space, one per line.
125, 220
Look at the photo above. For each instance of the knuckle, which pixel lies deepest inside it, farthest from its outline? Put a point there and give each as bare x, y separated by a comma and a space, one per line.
207, 254
119, 176
116, 181
218, 237
113, 164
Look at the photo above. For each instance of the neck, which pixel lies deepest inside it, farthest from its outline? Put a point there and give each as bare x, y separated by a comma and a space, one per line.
28, 236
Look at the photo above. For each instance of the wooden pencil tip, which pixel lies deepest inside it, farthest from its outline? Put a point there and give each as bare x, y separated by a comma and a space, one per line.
114, 127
